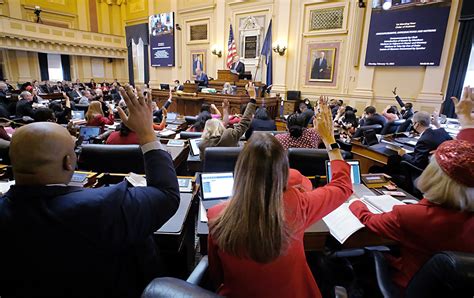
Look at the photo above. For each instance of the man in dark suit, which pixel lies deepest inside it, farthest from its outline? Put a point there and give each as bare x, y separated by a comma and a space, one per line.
407, 108
371, 117
201, 77
24, 107
178, 86
429, 140
319, 66
71, 241
238, 67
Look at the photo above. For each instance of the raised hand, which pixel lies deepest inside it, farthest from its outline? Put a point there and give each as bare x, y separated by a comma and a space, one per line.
225, 104
394, 91
323, 121
464, 107
251, 90
165, 112
140, 114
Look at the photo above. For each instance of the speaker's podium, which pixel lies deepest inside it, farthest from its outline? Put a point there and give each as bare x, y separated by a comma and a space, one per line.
227, 76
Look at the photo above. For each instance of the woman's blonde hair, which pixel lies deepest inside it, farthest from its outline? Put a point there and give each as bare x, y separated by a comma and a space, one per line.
95, 108
440, 189
253, 223
213, 128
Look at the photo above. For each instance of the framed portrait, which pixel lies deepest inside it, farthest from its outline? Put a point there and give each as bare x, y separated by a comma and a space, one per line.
321, 64
198, 60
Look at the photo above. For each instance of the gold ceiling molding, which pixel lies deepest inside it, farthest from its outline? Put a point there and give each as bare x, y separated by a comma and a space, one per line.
113, 2
14, 33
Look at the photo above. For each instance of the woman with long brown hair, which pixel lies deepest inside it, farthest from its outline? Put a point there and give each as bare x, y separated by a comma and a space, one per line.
256, 238
95, 115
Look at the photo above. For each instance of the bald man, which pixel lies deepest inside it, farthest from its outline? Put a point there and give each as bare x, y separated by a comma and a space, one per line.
62, 241
238, 66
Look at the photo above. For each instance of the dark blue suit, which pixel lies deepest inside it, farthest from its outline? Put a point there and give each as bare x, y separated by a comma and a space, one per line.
74, 242
429, 141
204, 80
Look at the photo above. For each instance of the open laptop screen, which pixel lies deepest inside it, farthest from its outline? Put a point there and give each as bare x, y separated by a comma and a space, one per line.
355, 171
88, 132
217, 185
78, 115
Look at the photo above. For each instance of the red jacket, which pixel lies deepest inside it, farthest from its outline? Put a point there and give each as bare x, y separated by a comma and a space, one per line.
288, 275
466, 134
101, 121
422, 230
116, 139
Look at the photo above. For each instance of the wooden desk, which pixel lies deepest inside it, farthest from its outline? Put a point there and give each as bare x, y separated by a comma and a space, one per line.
377, 154
190, 104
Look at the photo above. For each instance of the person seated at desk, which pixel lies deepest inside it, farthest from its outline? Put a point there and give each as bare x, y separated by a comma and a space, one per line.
390, 113
407, 108
95, 115
261, 122
216, 135
24, 107
201, 120
429, 140
157, 113
62, 112
201, 78
100, 239
162, 124
211, 109
346, 121
443, 220
371, 117
298, 136
178, 86
255, 243
123, 136
306, 113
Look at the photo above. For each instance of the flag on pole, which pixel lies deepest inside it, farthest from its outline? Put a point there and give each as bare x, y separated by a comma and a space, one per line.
231, 49
267, 52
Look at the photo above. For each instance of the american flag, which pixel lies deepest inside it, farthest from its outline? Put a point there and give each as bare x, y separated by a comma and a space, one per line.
231, 49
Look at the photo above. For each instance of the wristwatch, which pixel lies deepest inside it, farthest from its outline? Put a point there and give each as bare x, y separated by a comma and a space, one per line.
333, 146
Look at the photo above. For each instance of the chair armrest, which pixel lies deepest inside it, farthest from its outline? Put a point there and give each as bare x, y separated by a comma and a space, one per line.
384, 279
411, 166
173, 287
199, 272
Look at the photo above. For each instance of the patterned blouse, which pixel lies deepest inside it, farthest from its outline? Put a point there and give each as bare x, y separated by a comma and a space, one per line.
309, 139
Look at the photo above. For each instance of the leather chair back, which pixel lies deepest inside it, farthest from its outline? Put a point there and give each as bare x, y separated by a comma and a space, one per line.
446, 274
310, 162
185, 135
392, 127
173, 287
4, 152
405, 126
81, 107
359, 132
220, 159
111, 159
190, 120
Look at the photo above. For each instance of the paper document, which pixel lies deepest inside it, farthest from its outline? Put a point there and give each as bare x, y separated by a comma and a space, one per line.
136, 180
165, 133
342, 223
380, 204
5, 186
202, 213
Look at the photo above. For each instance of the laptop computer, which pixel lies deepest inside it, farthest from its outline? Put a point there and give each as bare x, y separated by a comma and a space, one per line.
216, 188
359, 188
164, 86
88, 133
171, 117
77, 115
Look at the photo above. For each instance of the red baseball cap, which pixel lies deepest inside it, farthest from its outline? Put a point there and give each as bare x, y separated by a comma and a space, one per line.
456, 159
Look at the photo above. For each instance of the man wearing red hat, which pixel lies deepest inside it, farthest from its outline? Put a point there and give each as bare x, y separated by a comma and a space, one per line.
443, 220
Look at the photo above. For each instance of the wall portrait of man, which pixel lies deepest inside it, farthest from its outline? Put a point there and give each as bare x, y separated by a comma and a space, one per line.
322, 64
198, 61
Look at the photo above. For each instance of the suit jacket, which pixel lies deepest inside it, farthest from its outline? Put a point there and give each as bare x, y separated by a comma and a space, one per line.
231, 136
408, 113
429, 141
24, 108
239, 67
203, 77
76, 242
421, 230
374, 119
158, 115
317, 67
289, 274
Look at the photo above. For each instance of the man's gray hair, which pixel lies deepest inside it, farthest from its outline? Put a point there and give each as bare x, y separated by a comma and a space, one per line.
24, 94
3, 86
423, 118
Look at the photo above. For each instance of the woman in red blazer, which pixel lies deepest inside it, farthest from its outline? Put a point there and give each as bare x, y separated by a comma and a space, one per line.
443, 220
256, 238
95, 115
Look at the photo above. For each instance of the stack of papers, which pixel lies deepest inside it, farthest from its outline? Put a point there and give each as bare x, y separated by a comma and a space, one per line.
166, 133
136, 180
342, 223
5, 186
